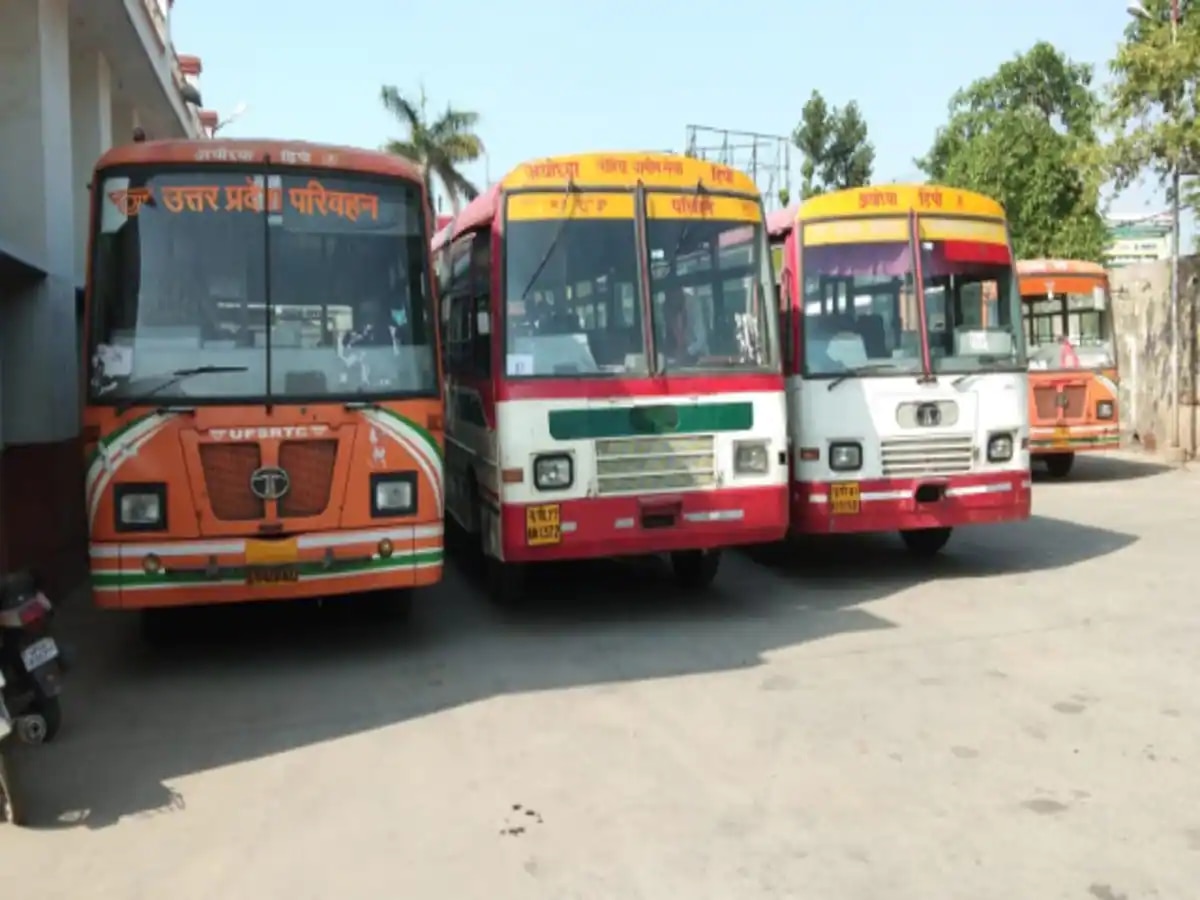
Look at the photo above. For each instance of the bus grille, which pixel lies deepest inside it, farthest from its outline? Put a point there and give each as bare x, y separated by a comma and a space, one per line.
641, 464
912, 457
1075, 402
309, 465
227, 470
1045, 402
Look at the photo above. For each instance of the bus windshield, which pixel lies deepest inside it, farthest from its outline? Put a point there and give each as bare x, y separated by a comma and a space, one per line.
572, 306
1082, 320
860, 309
713, 292
320, 293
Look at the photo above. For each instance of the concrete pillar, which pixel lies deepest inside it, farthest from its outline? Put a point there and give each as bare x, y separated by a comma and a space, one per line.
91, 136
40, 467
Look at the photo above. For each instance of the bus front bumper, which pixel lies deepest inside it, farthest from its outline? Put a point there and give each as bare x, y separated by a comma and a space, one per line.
1044, 440
599, 527
902, 504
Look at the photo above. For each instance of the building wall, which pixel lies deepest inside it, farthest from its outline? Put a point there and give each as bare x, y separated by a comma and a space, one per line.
1141, 303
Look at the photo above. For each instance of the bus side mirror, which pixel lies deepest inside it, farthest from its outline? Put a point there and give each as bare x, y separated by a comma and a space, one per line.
483, 323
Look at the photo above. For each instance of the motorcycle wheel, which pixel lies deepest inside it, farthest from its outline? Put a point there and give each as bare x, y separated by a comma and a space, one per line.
12, 807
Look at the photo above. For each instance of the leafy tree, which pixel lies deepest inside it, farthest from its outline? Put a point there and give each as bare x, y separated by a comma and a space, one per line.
837, 153
1026, 135
1153, 101
439, 146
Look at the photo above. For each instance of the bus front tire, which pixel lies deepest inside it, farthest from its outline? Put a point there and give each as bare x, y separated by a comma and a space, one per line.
695, 569
505, 581
925, 543
1059, 464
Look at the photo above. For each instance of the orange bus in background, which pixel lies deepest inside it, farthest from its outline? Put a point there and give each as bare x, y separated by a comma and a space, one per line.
264, 415
1073, 401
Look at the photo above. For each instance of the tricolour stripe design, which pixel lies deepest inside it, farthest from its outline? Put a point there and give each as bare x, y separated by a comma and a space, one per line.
115, 450
417, 441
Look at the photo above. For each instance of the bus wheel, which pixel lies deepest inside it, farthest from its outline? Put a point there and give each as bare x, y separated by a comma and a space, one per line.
925, 542
390, 605
505, 581
12, 805
159, 626
1059, 464
695, 569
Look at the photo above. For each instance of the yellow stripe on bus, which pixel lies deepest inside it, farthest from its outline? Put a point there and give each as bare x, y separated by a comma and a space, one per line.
693, 206
951, 229
873, 200
854, 231
626, 170
587, 205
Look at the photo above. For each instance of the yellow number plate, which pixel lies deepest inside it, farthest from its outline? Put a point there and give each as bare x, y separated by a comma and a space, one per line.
272, 553
844, 498
543, 525
1062, 435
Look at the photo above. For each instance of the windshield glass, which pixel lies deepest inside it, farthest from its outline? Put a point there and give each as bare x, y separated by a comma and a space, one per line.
572, 307
860, 308
1069, 330
972, 306
323, 295
711, 281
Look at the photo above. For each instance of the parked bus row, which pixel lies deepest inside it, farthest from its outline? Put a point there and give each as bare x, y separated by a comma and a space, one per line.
292, 383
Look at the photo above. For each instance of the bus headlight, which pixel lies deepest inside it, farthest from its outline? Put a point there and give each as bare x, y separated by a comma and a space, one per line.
553, 472
750, 458
141, 507
393, 494
1104, 409
1000, 448
845, 457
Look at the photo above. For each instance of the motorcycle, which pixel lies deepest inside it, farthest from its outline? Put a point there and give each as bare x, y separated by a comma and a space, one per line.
31, 664
11, 805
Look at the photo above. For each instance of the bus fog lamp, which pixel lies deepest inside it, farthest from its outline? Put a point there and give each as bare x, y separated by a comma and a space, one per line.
750, 458
1000, 448
553, 473
151, 564
1104, 409
845, 457
385, 548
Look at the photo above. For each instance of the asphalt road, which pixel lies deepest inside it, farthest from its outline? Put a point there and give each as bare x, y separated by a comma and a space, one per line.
1018, 719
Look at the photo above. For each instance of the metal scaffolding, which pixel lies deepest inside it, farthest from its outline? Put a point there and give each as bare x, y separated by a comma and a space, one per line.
766, 158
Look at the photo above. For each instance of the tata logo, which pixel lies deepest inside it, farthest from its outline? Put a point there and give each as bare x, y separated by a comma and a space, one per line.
282, 432
928, 415
269, 483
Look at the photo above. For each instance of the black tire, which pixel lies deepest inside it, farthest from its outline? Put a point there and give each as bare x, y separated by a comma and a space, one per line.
1059, 464
159, 626
925, 543
50, 709
695, 570
12, 799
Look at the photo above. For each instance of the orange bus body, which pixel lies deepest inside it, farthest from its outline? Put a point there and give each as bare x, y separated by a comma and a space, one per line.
1073, 378
184, 495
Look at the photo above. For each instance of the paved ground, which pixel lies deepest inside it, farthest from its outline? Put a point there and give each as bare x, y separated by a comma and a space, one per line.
1018, 719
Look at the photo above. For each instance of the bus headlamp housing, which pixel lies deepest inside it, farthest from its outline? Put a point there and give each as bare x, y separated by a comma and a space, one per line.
1104, 409
393, 494
140, 506
1000, 447
553, 472
845, 456
750, 458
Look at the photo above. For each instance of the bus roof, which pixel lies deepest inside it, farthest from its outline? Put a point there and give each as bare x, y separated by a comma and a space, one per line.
598, 170
880, 199
1060, 267
245, 151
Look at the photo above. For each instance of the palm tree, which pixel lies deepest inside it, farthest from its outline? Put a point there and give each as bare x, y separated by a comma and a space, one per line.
438, 147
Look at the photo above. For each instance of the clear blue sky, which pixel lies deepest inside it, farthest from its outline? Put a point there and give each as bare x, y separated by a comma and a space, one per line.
623, 74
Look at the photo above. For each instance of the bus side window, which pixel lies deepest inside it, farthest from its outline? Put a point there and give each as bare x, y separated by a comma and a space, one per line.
481, 296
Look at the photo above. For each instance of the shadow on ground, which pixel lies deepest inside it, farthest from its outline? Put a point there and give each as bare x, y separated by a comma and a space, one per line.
248, 682
1101, 467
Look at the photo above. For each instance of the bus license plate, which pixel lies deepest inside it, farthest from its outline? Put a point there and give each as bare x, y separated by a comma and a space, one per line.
543, 525
39, 653
1062, 436
272, 575
844, 498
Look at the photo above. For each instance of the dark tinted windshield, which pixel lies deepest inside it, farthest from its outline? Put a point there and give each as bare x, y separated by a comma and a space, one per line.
711, 283
324, 294
571, 298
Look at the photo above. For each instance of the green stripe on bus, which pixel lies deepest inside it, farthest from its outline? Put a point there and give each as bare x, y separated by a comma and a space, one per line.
633, 421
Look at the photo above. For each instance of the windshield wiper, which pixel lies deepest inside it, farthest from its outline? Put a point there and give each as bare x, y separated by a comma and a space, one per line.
562, 226
700, 191
861, 370
177, 376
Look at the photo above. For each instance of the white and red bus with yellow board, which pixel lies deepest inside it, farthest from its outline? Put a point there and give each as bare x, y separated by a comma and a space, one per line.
614, 384
1074, 402
906, 363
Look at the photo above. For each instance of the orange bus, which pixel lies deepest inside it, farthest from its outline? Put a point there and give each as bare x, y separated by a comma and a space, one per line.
263, 415
1073, 396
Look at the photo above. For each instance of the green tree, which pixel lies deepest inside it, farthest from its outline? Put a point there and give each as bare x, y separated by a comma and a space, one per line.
1153, 99
1026, 135
439, 146
834, 144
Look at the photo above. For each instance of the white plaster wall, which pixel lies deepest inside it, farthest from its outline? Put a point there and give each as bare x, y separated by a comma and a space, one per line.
91, 136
